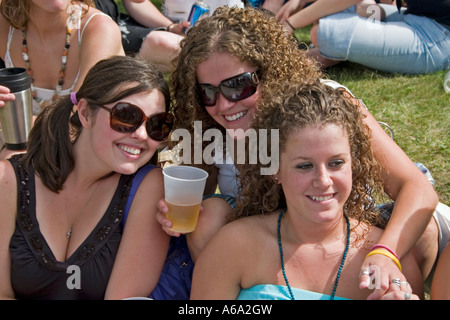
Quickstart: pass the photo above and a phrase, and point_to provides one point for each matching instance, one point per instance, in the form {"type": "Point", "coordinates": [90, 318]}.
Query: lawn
{"type": "Point", "coordinates": [416, 107]}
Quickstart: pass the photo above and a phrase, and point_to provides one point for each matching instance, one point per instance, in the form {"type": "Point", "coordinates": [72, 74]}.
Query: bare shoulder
{"type": "Point", "coordinates": [100, 39]}
{"type": "Point", "coordinates": [149, 192]}
{"type": "Point", "coordinates": [248, 230]}
{"type": "Point", "coordinates": [153, 180]}
{"type": "Point", "coordinates": [95, 19]}
{"type": "Point", "coordinates": [97, 27]}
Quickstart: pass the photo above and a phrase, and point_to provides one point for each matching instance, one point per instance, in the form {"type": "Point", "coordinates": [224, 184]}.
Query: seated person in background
{"type": "Point", "coordinates": [414, 39]}
{"type": "Point", "coordinates": [271, 5]}
{"type": "Point", "coordinates": [57, 42]}
{"type": "Point", "coordinates": [141, 31]}
{"type": "Point", "coordinates": [303, 232]}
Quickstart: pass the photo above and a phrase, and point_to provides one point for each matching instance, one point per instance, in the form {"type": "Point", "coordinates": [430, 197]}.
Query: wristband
{"type": "Point", "coordinates": [164, 28]}
{"type": "Point", "coordinates": [170, 25]}
{"type": "Point", "coordinates": [386, 253]}
{"type": "Point", "coordinates": [384, 247]}
{"type": "Point", "coordinates": [290, 25]}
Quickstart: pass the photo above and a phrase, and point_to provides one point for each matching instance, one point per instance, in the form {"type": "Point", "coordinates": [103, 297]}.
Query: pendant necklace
{"type": "Point", "coordinates": [282, 257]}
{"type": "Point", "coordinates": [69, 227]}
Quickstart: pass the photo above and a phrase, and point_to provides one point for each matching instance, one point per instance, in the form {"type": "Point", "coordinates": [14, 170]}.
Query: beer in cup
{"type": "Point", "coordinates": [184, 187]}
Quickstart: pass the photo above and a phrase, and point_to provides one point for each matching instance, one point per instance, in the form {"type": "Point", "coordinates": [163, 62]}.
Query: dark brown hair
{"type": "Point", "coordinates": [57, 128]}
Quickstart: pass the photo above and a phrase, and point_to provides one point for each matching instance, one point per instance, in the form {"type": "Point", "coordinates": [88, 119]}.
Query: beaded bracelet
{"type": "Point", "coordinates": [384, 247]}
{"type": "Point", "coordinates": [386, 253]}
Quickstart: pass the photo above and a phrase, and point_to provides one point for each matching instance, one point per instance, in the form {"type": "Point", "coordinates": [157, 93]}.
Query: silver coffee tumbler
{"type": "Point", "coordinates": [16, 116]}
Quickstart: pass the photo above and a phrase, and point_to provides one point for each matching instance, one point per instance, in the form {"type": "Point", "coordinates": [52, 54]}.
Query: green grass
{"type": "Point", "coordinates": [416, 107]}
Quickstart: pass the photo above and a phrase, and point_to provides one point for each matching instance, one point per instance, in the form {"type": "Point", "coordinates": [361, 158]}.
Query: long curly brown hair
{"type": "Point", "coordinates": [298, 107]}
{"type": "Point", "coordinates": [16, 11]}
{"type": "Point", "coordinates": [251, 35]}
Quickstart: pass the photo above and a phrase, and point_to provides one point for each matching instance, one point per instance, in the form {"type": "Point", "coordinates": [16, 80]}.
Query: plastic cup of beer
{"type": "Point", "coordinates": [184, 187]}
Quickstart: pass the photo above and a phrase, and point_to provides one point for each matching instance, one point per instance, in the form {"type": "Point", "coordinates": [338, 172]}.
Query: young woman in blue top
{"type": "Point", "coordinates": [304, 231]}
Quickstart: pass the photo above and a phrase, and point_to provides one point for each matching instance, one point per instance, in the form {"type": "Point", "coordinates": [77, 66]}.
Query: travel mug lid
{"type": "Point", "coordinates": [16, 79]}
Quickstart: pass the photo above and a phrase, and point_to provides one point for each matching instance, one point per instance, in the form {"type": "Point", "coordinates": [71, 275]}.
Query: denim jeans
{"type": "Point", "coordinates": [401, 43]}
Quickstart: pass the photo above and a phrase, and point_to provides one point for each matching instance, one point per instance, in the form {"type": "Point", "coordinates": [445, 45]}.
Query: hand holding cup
{"type": "Point", "coordinates": [183, 187]}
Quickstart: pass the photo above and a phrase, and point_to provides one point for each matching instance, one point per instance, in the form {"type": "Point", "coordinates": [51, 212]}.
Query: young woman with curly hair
{"type": "Point", "coordinates": [312, 216]}
{"type": "Point", "coordinates": [248, 55]}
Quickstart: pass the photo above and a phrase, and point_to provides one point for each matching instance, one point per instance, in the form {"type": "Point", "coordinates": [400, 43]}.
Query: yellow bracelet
{"type": "Point", "coordinates": [386, 253]}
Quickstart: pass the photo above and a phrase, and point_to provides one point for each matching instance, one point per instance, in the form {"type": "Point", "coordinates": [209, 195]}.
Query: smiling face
{"type": "Point", "coordinates": [126, 152]}
{"type": "Point", "coordinates": [316, 172]}
{"type": "Point", "coordinates": [228, 114]}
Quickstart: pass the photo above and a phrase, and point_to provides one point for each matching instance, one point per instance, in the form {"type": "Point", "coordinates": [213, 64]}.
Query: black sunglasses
{"type": "Point", "coordinates": [127, 118]}
{"type": "Point", "coordinates": [233, 89]}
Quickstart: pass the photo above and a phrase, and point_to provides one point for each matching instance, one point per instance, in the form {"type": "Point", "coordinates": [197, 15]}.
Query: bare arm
{"type": "Point", "coordinates": [218, 270]}
{"type": "Point", "coordinates": [144, 245]}
{"type": "Point", "coordinates": [8, 199]}
{"type": "Point", "coordinates": [415, 201]}
{"type": "Point", "coordinates": [306, 16]}
{"type": "Point", "coordinates": [101, 39]}
{"type": "Point", "coordinates": [440, 289]}
{"type": "Point", "coordinates": [146, 13]}
{"type": "Point", "coordinates": [415, 198]}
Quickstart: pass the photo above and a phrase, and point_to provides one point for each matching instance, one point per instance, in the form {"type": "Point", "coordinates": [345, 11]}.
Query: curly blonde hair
{"type": "Point", "coordinates": [16, 12]}
{"type": "Point", "coordinates": [298, 107]}
{"type": "Point", "coordinates": [251, 35]}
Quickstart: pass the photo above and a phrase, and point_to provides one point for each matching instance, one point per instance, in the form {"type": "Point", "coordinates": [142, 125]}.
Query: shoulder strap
{"type": "Point", "coordinates": [80, 32]}
{"type": "Point", "coordinates": [134, 186]}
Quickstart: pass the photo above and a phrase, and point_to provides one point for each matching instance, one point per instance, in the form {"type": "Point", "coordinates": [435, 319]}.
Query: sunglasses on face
{"type": "Point", "coordinates": [233, 89]}
{"type": "Point", "coordinates": [127, 118]}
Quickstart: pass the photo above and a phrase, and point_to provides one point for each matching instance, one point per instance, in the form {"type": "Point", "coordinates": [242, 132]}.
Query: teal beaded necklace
{"type": "Point", "coordinates": [282, 257]}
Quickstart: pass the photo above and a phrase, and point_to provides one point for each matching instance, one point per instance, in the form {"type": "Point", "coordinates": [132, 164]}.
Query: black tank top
{"type": "Point", "coordinates": [36, 274]}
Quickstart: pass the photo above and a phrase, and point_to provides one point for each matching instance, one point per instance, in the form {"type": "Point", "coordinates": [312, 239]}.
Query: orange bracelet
{"type": "Point", "coordinates": [386, 253]}
{"type": "Point", "coordinates": [384, 247]}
